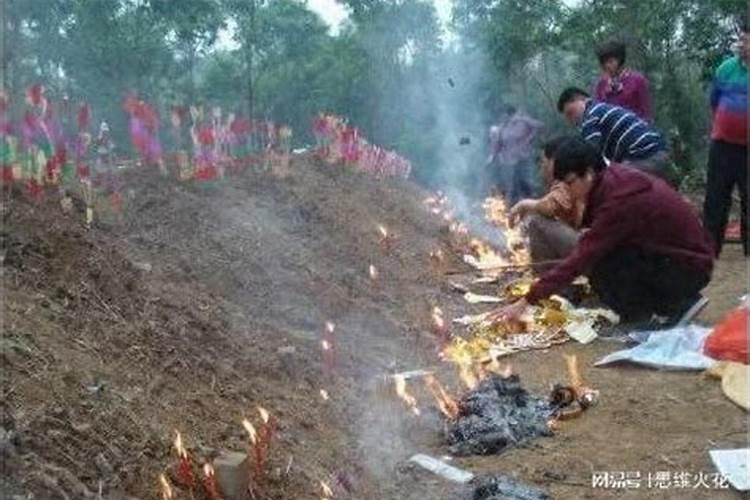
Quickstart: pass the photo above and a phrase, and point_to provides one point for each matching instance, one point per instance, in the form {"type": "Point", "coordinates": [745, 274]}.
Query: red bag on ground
{"type": "Point", "coordinates": [729, 339]}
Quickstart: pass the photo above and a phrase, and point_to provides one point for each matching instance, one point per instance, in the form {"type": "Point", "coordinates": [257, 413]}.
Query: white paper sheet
{"type": "Point", "coordinates": [676, 349]}
{"type": "Point", "coordinates": [734, 465]}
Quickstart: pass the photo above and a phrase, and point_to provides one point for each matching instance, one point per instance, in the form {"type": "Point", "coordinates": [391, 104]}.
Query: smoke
{"type": "Point", "coordinates": [462, 119]}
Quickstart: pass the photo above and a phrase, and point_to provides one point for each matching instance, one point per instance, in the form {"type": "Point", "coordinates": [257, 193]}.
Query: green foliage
{"type": "Point", "coordinates": [387, 70]}
{"type": "Point", "coordinates": [540, 46]}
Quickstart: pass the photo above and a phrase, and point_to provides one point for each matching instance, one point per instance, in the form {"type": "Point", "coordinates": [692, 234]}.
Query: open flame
{"type": "Point", "coordinates": [330, 326]}
{"type": "Point", "coordinates": [324, 394]}
{"type": "Point", "coordinates": [383, 230]}
{"type": "Point", "coordinates": [459, 354]}
{"type": "Point", "coordinates": [208, 471]}
{"type": "Point", "coordinates": [263, 414]}
{"type": "Point", "coordinates": [373, 271]}
{"type": "Point", "coordinates": [496, 212]}
{"type": "Point", "coordinates": [445, 402]}
{"type": "Point", "coordinates": [325, 344]}
{"type": "Point", "coordinates": [166, 488]}
{"type": "Point", "coordinates": [250, 430]}
{"type": "Point", "coordinates": [327, 491]}
{"type": "Point", "coordinates": [181, 452]}
{"type": "Point", "coordinates": [401, 391]}
{"type": "Point", "coordinates": [438, 320]}
{"type": "Point", "coordinates": [466, 374]}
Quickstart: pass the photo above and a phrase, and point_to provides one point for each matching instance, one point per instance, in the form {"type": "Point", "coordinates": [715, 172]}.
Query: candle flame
{"type": "Point", "coordinates": [250, 430]}
{"type": "Point", "coordinates": [263, 414]}
{"type": "Point", "coordinates": [166, 489]}
{"type": "Point", "coordinates": [181, 452]}
{"type": "Point", "coordinates": [326, 345]}
{"type": "Point", "coordinates": [208, 470]}
{"type": "Point", "coordinates": [401, 391]}
{"type": "Point", "coordinates": [330, 326]}
{"type": "Point", "coordinates": [383, 230]}
{"type": "Point", "coordinates": [324, 394]}
{"type": "Point", "coordinates": [373, 272]}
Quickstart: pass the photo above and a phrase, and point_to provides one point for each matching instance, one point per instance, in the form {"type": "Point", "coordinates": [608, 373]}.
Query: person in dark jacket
{"type": "Point", "coordinates": [645, 251]}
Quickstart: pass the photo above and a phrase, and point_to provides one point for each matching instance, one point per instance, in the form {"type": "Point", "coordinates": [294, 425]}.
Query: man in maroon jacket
{"type": "Point", "coordinates": [645, 251]}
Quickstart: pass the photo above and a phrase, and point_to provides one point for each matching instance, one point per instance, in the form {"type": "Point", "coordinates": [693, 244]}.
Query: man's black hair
{"type": "Point", "coordinates": [551, 147]}
{"type": "Point", "coordinates": [611, 49]}
{"type": "Point", "coordinates": [569, 95]}
{"type": "Point", "coordinates": [577, 156]}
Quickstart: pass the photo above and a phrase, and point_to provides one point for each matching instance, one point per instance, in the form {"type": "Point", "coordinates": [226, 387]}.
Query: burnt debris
{"type": "Point", "coordinates": [497, 415]}
{"type": "Point", "coordinates": [506, 488]}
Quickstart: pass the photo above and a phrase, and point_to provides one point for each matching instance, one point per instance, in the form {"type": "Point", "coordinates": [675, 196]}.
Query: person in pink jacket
{"type": "Point", "coordinates": [619, 85]}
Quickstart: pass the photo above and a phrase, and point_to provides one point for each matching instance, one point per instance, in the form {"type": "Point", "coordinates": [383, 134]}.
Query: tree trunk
{"type": "Point", "coordinates": [191, 49]}
{"type": "Point", "coordinates": [249, 48]}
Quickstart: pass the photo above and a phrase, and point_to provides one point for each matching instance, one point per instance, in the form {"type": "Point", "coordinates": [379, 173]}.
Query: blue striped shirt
{"type": "Point", "coordinates": [618, 133]}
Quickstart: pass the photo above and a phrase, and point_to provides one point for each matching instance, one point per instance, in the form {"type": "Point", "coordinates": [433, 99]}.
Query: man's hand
{"type": "Point", "coordinates": [510, 312]}
{"type": "Point", "coordinates": [519, 210]}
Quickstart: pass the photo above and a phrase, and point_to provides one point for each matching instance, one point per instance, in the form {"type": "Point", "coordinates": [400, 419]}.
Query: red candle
{"type": "Point", "coordinates": [186, 466]}
{"type": "Point", "coordinates": [209, 482]}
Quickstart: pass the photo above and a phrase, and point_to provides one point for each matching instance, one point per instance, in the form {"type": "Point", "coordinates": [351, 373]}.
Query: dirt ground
{"type": "Point", "coordinates": [202, 302]}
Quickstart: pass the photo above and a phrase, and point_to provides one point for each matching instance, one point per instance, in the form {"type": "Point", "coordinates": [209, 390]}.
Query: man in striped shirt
{"type": "Point", "coordinates": [619, 134]}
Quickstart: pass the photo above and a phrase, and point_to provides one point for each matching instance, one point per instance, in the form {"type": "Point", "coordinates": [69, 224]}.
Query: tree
{"type": "Point", "coordinates": [193, 26]}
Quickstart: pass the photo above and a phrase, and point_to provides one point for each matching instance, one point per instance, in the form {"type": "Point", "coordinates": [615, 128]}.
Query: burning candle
{"type": "Point", "coordinates": [257, 449]}
{"type": "Point", "coordinates": [186, 467]}
{"type": "Point", "coordinates": [327, 346]}
{"type": "Point", "coordinates": [209, 482]}
{"type": "Point", "coordinates": [373, 271]}
{"type": "Point", "coordinates": [324, 394]}
{"type": "Point", "coordinates": [269, 425]}
{"type": "Point", "coordinates": [166, 488]}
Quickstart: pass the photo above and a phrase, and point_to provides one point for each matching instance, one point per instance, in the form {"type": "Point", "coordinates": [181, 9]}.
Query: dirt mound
{"type": "Point", "coordinates": [203, 302]}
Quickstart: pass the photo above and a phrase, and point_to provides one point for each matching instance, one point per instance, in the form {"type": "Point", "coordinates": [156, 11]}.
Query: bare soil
{"type": "Point", "coordinates": [202, 302]}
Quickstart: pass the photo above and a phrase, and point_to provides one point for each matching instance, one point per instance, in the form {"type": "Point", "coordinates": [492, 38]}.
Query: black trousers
{"type": "Point", "coordinates": [727, 168]}
{"type": "Point", "coordinates": [636, 284]}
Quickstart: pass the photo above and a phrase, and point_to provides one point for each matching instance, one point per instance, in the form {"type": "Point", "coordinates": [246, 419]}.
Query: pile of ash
{"type": "Point", "coordinates": [497, 415]}
{"type": "Point", "coordinates": [506, 488]}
